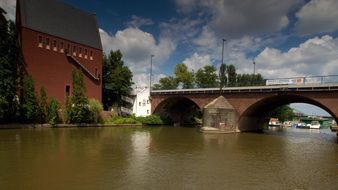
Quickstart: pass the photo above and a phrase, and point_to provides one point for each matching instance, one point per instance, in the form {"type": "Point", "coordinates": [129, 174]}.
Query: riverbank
{"type": "Point", "coordinates": [28, 126]}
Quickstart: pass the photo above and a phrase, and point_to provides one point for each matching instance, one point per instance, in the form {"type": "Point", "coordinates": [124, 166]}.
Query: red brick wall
{"type": "Point", "coordinates": [53, 70]}
{"type": "Point", "coordinates": [260, 101]}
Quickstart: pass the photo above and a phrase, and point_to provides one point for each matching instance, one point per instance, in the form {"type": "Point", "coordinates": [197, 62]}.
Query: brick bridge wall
{"type": "Point", "coordinates": [242, 101]}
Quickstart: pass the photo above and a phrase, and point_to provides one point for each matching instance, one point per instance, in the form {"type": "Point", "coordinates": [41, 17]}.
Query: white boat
{"type": "Point", "coordinates": [314, 125]}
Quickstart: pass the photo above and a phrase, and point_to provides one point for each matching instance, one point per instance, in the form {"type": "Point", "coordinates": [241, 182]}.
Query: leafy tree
{"type": "Point", "coordinates": [166, 83]}
{"type": "Point", "coordinates": [52, 112]}
{"type": "Point", "coordinates": [157, 87]}
{"type": "Point", "coordinates": [30, 110]}
{"type": "Point", "coordinates": [222, 76]}
{"type": "Point", "coordinates": [283, 113]}
{"type": "Point", "coordinates": [206, 77]}
{"type": "Point", "coordinates": [77, 107]}
{"type": "Point", "coordinates": [231, 71]}
{"type": "Point", "coordinates": [43, 106]}
{"type": "Point", "coordinates": [117, 78]}
{"type": "Point", "coordinates": [258, 80]}
{"type": "Point", "coordinates": [10, 62]}
{"type": "Point", "coordinates": [250, 80]}
{"type": "Point", "coordinates": [184, 76]}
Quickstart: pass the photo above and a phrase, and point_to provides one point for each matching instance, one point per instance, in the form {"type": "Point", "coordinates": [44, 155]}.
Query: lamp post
{"type": "Point", "coordinates": [223, 40]}
{"type": "Point", "coordinates": [151, 71]}
{"type": "Point", "coordinates": [254, 64]}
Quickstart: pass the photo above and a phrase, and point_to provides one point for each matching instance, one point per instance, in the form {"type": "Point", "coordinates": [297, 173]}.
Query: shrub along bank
{"type": "Point", "coordinates": [147, 120]}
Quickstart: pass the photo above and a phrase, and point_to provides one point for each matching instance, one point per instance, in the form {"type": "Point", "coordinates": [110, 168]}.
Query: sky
{"type": "Point", "coordinates": [287, 38]}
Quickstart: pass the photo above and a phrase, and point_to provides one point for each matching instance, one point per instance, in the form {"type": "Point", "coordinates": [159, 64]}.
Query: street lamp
{"type": "Point", "coordinates": [151, 71]}
{"type": "Point", "coordinates": [223, 49]}
{"type": "Point", "coordinates": [254, 63]}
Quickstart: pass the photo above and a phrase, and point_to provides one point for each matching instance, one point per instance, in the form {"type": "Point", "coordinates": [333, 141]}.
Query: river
{"type": "Point", "coordinates": [166, 158]}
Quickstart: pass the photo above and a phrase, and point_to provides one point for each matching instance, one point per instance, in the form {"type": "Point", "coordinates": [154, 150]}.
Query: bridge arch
{"type": "Point", "coordinates": [179, 109]}
{"type": "Point", "coordinates": [253, 118]}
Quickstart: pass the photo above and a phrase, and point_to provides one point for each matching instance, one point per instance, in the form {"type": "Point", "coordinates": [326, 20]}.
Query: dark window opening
{"type": "Point", "coordinates": [47, 41]}
{"type": "Point", "coordinates": [67, 90]}
{"type": "Point", "coordinates": [61, 45]}
{"type": "Point", "coordinates": [40, 39]}
{"type": "Point", "coordinates": [68, 48]}
{"type": "Point", "coordinates": [54, 43]}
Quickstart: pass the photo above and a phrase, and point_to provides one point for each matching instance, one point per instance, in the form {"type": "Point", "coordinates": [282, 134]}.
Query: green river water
{"type": "Point", "coordinates": [166, 158]}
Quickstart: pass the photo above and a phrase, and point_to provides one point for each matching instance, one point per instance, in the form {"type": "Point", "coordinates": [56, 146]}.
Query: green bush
{"type": "Point", "coordinates": [151, 120]}
{"type": "Point", "coordinates": [77, 113]}
{"type": "Point", "coordinates": [148, 120]}
{"type": "Point", "coordinates": [124, 120]}
{"type": "Point", "coordinates": [52, 112]}
{"type": "Point", "coordinates": [95, 108]}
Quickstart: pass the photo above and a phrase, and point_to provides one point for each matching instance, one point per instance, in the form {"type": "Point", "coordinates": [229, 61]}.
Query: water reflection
{"type": "Point", "coordinates": [166, 158]}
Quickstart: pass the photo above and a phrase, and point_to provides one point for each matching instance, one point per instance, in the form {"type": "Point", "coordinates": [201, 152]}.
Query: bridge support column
{"type": "Point", "coordinates": [219, 116]}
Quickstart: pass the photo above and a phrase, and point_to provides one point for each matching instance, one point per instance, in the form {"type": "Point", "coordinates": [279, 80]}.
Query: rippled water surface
{"type": "Point", "coordinates": [167, 158]}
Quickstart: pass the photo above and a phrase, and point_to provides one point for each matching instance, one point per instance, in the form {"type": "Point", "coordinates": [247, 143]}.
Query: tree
{"type": "Point", "coordinates": [167, 83]}
{"type": "Point", "coordinates": [77, 106]}
{"type": "Point", "coordinates": [52, 112]}
{"type": "Point", "coordinates": [258, 80]}
{"type": "Point", "coordinates": [116, 78]}
{"type": "Point", "coordinates": [283, 113]}
{"type": "Point", "coordinates": [222, 76]}
{"type": "Point", "coordinates": [184, 76]}
{"type": "Point", "coordinates": [250, 80]}
{"type": "Point", "coordinates": [10, 63]}
{"type": "Point", "coordinates": [43, 106]}
{"type": "Point", "coordinates": [206, 77]}
{"type": "Point", "coordinates": [231, 71]}
{"type": "Point", "coordinates": [30, 110]}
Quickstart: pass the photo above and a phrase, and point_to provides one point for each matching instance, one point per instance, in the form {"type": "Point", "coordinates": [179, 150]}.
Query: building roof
{"type": "Point", "coordinates": [59, 19]}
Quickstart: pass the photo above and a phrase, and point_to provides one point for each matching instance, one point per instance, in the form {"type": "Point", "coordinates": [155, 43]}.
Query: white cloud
{"type": "Point", "coordinates": [9, 6]}
{"type": "Point", "coordinates": [137, 46]}
{"type": "Point", "coordinates": [139, 21]}
{"type": "Point", "coordinates": [318, 16]}
{"type": "Point", "coordinates": [316, 56]}
{"type": "Point", "coordinates": [233, 18]}
{"type": "Point", "coordinates": [180, 30]}
{"type": "Point", "coordinates": [197, 61]}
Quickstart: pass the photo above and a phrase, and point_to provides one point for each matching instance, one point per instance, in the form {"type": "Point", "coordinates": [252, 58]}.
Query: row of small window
{"type": "Point", "coordinates": [144, 103]}
{"type": "Point", "coordinates": [74, 50]}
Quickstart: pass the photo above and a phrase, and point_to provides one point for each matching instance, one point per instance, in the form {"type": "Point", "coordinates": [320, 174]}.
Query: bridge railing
{"type": "Point", "coordinates": [303, 80]}
{"type": "Point", "coordinates": [307, 80]}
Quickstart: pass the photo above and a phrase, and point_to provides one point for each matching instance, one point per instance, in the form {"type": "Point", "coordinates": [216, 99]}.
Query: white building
{"type": "Point", "coordinates": [142, 104]}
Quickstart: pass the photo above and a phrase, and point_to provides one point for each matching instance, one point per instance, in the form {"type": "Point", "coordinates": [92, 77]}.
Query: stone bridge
{"type": "Point", "coordinates": [251, 104]}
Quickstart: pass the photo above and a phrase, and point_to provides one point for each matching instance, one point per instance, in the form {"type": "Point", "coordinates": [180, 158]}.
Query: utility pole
{"type": "Point", "coordinates": [223, 50]}
{"type": "Point", "coordinates": [254, 63]}
{"type": "Point", "coordinates": [151, 71]}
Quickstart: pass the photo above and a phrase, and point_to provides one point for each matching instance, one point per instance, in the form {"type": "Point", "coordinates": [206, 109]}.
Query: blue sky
{"type": "Point", "coordinates": [286, 38]}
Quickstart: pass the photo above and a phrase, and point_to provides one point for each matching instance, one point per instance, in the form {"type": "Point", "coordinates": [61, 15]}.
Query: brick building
{"type": "Point", "coordinates": [56, 39]}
